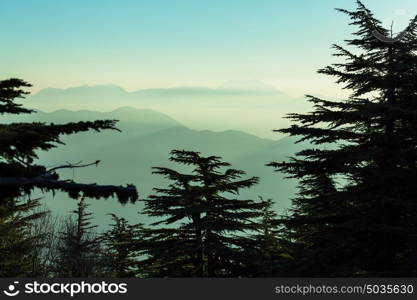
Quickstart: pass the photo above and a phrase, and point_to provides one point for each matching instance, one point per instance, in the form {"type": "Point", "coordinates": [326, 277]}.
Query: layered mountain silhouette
{"type": "Point", "coordinates": [249, 106]}
{"type": "Point", "coordinates": [145, 141]}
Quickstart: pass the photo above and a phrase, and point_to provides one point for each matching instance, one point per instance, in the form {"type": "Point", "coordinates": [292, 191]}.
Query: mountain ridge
{"type": "Point", "coordinates": [230, 86]}
{"type": "Point", "coordinates": [128, 157]}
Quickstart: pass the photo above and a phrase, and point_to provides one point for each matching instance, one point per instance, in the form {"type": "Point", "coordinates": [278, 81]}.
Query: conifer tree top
{"type": "Point", "coordinates": [354, 213]}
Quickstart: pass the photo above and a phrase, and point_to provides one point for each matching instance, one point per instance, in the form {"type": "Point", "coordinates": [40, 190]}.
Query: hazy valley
{"type": "Point", "coordinates": [145, 141]}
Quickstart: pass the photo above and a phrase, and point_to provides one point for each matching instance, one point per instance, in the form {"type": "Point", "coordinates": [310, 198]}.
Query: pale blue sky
{"type": "Point", "coordinates": [158, 43]}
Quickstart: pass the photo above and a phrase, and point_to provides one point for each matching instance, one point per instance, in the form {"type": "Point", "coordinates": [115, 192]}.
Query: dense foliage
{"type": "Point", "coordinates": [203, 228]}
{"type": "Point", "coordinates": [356, 210]}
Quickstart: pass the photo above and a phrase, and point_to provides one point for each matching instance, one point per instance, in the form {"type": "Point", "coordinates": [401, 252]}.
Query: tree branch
{"type": "Point", "coordinates": [124, 194]}
{"type": "Point", "coordinates": [73, 166]}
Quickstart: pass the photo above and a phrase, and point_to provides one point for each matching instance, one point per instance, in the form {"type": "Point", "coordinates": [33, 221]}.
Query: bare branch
{"type": "Point", "coordinates": [73, 166]}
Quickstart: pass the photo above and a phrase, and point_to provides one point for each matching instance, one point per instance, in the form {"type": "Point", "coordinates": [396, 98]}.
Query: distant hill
{"type": "Point", "coordinates": [249, 106]}
{"type": "Point", "coordinates": [146, 140]}
{"type": "Point", "coordinates": [104, 95]}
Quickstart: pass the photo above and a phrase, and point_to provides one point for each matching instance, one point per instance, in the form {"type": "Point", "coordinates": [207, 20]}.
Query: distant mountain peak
{"type": "Point", "coordinates": [240, 86]}
{"type": "Point", "coordinates": [83, 89]}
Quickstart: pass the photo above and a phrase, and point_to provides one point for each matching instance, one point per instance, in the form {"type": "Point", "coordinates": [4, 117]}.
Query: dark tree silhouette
{"type": "Point", "coordinates": [19, 174]}
{"type": "Point", "coordinates": [17, 242]}
{"type": "Point", "coordinates": [268, 252]}
{"type": "Point", "coordinates": [20, 141]}
{"type": "Point", "coordinates": [121, 244]}
{"type": "Point", "coordinates": [356, 211]}
{"type": "Point", "coordinates": [202, 230]}
{"type": "Point", "coordinates": [80, 246]}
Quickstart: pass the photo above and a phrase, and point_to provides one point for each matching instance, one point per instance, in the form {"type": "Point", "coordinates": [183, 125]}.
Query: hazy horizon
{"type": "Point", "coordinates": [250, 106]}
{"type": "Point", "coordinates": [155, 44]}
{"type": "Point", "coordinates": [179, 57]}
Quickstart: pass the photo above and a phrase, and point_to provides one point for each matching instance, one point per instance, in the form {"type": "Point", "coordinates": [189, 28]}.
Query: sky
{"type": "Point", "coordinates": [138, 44]}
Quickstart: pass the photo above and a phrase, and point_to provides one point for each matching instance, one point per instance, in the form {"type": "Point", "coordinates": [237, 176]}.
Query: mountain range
{"type": "Point", "coordinates": [249, 106]}
{"type": "Point", "coordinates": [146, 139]}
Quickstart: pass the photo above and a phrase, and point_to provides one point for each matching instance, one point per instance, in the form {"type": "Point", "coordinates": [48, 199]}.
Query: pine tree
{"type": "Point", "coordinates": [355, 214]}
{"type": "Point", "coordinates": [203, 229]}
{"type": "Point", "coordinates": [16, 240]}
{"type": "Point", "coordinates": [305, 240]}
{"type": "Point", "coordinates": [268, 251]}
{"type": "Point", "coordinates": [122, 242]}
{"type": "Point", "coordinates": [20, 174]}
{"type": "Point", "coordinates": [80, 246]}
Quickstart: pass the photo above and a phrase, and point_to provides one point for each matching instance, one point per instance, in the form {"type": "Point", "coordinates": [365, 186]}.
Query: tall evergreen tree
{"type": "Point", "coordinates": [356, 211]}
{"type": "Point", "coordinates": [122, 242]}
{"type": "Point", "coordinates": [16, 240]}
{"type": "Point", "coordinates": [203, 229]}
{"type": "Point", "coordinates": [80, 246]}
{"type": "Point", "coordinates": [20, 174]}
{"type": "Point", "coordinates": [269, 249]}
